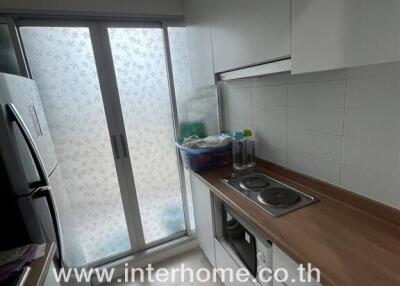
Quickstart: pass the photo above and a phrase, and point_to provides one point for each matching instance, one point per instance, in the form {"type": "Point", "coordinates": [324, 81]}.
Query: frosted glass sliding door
{"type": "Point", "coordinates": [140, 66]}
{"type": "Point", "coordinates": [62, 63]}
{"type": "Point", "coordinates": [108, 95]}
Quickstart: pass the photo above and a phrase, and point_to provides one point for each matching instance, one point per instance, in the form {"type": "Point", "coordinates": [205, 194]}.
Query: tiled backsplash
{"type": "Point", "coordinates": [339, 126]}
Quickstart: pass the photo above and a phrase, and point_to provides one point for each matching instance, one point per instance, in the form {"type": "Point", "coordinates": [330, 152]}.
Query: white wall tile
{"type": "Point", "coordinates": [270, 122]}
{"type": "Point", "coordinates": [273, 135]}
{"type": "Point", "coordinates": [372, 139]}
{"type": "Point", "coordinates": [321, 144]}
{"type": "Point", "coordinates": [373, 93]}
{"type": "Point", "coordinates": [317, 106]}
{"type": "Point", "coordinates": [371, 124]}
{"type": "Point", "coordinates": [314, 153]}
{"type": "Point", "coordinates": [340, 126]}
{"type": "Point", "coordinates": [269, 105]}
{"type": "Point", "coordinates": [314, 165]}
{"type": "Point", "coordinates": [319, 76]}
{"type": "Point", "coordinates": [279, 79]}
{"type": "Point", "coordinates": [328, 94]}
{"type": "Point", "coordinates": [371, 154]}
{"type": "Point", "coordinates": [381, 187]}
{"type": "Point", "coordinates": [326, 120]}
{"type": "Point", "coordinates": [273, 153]}
{"type": "Point", "coordinates": [378, 70]}
{"type": "Point", "coordinates": [237, 108]}
{"type": "Point", "coordinates": [266, 96]}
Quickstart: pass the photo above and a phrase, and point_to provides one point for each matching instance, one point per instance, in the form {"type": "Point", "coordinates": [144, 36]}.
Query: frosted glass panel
{"type": "Point", "coordinates": [180, 60]}
{"type": "Point", "coordinates": [198, 107]}
{"type": "Point", "coordinates": [139, 61]}
{"type": "Point", "coordinates": [62, 63]}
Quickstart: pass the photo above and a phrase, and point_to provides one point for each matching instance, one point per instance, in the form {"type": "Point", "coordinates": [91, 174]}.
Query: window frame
{"type": "Point", "coordinates": [105, 70]}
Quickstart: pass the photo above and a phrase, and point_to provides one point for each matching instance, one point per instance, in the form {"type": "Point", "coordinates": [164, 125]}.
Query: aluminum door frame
{"type": "Point", "coordinates": [108, 84]}
{"type": "Point", "coordinates": [114, 117]}
{"type": "Point", "coordinates": [107, 54]}
{"type": "Point", "coordinates": [175, 120]}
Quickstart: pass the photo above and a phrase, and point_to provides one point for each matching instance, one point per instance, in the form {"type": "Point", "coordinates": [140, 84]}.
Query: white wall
{"type": "Point", "coordinates": [339, 126]}
{"type": "Point", "coordinates": [120, 7]}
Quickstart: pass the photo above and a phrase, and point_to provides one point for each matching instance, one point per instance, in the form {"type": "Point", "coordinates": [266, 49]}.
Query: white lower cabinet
{"type": "Point", "coordinates": [283, 263]}
{"type": "Point", "coordinates": [225, 261]}
{"type": "Point", "coordinates": [203, 216]}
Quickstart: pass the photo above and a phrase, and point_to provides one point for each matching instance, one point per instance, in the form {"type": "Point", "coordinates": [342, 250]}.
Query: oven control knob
{"type": "Point", "coordinates": [260, 257]}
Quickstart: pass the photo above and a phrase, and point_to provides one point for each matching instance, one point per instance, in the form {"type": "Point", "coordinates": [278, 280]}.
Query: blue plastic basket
{"type": "Point", "coordinates": [200, 159]}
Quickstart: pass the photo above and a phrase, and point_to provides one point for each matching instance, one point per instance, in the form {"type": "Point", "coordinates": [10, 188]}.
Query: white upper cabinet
{"type": "Point", "coordinates": [247, 32]}
{"type": "Point", "coordinates": [197, 19]}
{"type": "Point", "coordinates": [335, 34]}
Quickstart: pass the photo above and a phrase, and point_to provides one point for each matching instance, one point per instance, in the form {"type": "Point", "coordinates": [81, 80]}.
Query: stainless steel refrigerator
{"type": "Point", "coordinates": [29, 158]}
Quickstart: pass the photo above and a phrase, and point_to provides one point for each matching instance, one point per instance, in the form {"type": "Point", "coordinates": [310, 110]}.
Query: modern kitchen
{"type": "Point", "coordinates": [200, 142]}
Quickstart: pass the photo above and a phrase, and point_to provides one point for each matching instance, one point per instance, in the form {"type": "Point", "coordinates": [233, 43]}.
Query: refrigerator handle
{"type": "Point", "coordinates": [15, 116]}
{"type": "Point", "coordinates": [45, 192]}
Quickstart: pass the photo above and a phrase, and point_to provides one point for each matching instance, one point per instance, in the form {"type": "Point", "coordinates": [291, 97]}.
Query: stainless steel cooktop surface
{"type": "Point", "coordinates": [274, 197]}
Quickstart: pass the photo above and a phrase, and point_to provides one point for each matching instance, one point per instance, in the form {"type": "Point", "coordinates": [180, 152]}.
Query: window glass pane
{"type": "Point", "coordinates": [180, 61]}
{"type": "Point", "coordinates": [139, 61]}
{"type": "Point", "coordinates": [198, 107]}
{"type": "Point", "coordinates": [62, 63]}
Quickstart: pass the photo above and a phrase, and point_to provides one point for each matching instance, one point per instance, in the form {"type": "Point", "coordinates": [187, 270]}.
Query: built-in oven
{"type": "Point", "coordinates": [254, 252]}
{"type": "Point", "coordinates": [242, 241]}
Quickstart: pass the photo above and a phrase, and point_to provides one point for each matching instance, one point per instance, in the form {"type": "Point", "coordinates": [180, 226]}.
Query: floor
{"type": "Point", "coordinates": [194, 259]}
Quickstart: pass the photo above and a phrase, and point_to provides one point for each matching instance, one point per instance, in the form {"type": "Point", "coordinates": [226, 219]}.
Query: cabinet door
{"type": "Point", "coordinates": [225, 261]}
{"type": "Point", "coordinates": [330, 34]}
{"type": "Point", "coordinates": [249, 32]}
{"type": "Point", "coordinates": [203, 217]}
{"type": "Point", "coordinates": [197, 21]}
{"type": "Point", "coordinates": [280, 260]}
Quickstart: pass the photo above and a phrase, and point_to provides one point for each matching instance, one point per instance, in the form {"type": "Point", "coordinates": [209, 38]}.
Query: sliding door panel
{"type": "Point", "coordinates": [62, 63]}
{"type": "Point", "coordinates": [139, 60]}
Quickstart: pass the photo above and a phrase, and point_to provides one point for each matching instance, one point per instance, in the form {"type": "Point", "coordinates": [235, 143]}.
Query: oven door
{"type": "Point", "coordinates": [240, 239]}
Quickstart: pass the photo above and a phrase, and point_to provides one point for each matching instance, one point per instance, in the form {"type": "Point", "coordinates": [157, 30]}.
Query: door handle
{"type": "Point", "coordinates": [115, 147]}
{"type": "Point", "coordinates": [124, 145]}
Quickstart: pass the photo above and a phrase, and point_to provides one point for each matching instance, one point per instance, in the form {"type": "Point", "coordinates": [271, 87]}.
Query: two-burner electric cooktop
{"type": "Point", "coordinates": [274, 197]}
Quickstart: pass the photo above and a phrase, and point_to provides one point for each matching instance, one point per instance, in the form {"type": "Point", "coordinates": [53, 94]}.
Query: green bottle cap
{"type": "Point", "coordinates": [247, 133]}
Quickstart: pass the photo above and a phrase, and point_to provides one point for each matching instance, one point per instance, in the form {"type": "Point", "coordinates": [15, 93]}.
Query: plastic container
{"type": "Point", "coordinates": [200, 159]}
{"type": "Point", "coordinates": [250, 148]}
{"type": "Point", "coordinates": [239, 151]}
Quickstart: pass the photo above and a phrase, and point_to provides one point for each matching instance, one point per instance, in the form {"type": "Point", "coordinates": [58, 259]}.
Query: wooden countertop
{"type": "Point", "coordinates": [345, 241]}
{"type": "Point", "coordinates": [41, 266]}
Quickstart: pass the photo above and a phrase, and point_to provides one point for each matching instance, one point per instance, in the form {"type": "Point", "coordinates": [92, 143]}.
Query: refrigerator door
{"type": "Point", "coordinates": [42, 221]}
{"type": "Point", "coordinates": [39, 217]}
{"type": "Point", "coordinates": [23, 93]}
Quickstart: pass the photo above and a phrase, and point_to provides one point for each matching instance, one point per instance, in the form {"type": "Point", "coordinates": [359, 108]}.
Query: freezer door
{"type": "Point", "coordinates": [23, 93]}
{"type": "Point", "coordinates": [39, 220]}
